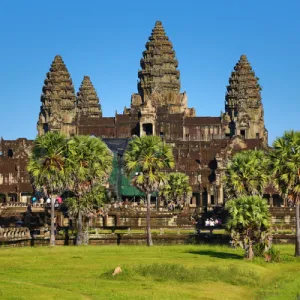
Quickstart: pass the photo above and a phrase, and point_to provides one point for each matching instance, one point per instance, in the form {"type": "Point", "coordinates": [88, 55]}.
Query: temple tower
{"type": "Point", "coordinates": [87, 100]}
{"type": "Point", "coordinates": [243, 102]}
{"type": "Point", "coordinates": [159, 72]}
{"type": "Point", "coordinates": [58, 109]}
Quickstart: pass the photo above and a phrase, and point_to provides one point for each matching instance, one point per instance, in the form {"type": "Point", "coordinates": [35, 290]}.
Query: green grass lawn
{"type": "Point", "coordinates": [160, 272]}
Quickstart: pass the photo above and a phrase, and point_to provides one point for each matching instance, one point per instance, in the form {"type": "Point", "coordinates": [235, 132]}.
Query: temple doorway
{"type": "Point", "coordinates": [12, 197]}
{"type": "Point", "coordinates": [3, 198]}
{"type": "Point", "coordinates": [148, 129]}
{"type": "Point", "coordinates": [25, 197]}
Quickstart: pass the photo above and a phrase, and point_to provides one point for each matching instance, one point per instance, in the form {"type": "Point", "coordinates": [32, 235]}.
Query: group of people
{"type": "Point", "coordinates": [212, 223]}
{"type": "Point", "coordinates": [46, 201]}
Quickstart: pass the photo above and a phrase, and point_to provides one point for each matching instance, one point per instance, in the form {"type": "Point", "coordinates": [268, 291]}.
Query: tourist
{"type": "Point", "coordinates": [211, 225]}
{"type": "Point", "coordinates": [34, 201]}
{"type": "Point", "coordinates": [216, 222]}
{"type": "Point", "coordinates": [56, 205]}
{"type": "Point", "coordinates": [207, 223]}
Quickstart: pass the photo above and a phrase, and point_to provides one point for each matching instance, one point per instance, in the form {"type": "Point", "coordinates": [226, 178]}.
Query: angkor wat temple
{"type": "Point", "coordinates": [202, 145]}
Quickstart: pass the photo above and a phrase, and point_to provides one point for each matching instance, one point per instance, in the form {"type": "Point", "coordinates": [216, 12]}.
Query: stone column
{"type": "Point", "coordinates": [221, 194]}
{"type": "Point", "coordinates": [208, 197]}
{"type": "Point", "coordinates": [117, 220]}
{"type": "Point", "coordinates": [271, 200]}
{"type": "Point", "coordinates": [201, 200]}
{"type": "Point", "coordinates": [105, 219]}
{"type": "Point", "coordinates": [141, 129]}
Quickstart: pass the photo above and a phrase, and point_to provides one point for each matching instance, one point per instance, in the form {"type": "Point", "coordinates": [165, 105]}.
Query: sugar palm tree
{"type": "Point", "coordinates": [249, 220]}
{"type": "Point", "coordinates": [88, 166]}
{"type": "Point", "coordinates": [246, 174]}
{"type": "Point", "coordinates": [148, 157]}
{"type": "Point", "coordinates": [177, 187]}
{"type": "Point", "coordinates": [84, 208]}
{"type": "Point", "coordinates": [47, 168]}
{"type": "Point", "coordinates": [285, 170]}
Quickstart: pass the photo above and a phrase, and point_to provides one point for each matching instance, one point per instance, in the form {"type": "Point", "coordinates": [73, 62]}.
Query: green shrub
{"type": "Point", "coordinates": [259, 250]}
{"type": "Point", "coordinates": [274, 253]}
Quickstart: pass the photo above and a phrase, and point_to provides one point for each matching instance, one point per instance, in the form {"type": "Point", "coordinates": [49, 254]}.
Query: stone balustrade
{"type": "Point", "coordinates": [14, 233]}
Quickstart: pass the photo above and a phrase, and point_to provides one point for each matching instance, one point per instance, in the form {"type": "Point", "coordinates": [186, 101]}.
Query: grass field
{"type": "Point", "coordinates": [160, 272]}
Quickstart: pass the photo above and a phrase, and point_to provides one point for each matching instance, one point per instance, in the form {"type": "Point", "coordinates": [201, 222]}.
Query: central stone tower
{"type": "Point", "coordinates": [159, 66]}
{"type": "Point", "coordinates": [159, 84]}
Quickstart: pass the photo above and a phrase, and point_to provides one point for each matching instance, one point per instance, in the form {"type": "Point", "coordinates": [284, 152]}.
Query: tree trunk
{"type": "Point", "coordinates": [297, 248]}
{"type": "Point", "coordinates": [52, 231]}
{"type": "Point", "coordinates": [149, 237]}
{"type": "Point", "coordinates": [250, 252]}
{"type": "Point", "coordinates": [79, 229]}
{"type": "Point", "coordinates": [85, 233]}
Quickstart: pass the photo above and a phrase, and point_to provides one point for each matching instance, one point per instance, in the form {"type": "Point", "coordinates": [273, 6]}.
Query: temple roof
{"type": "Point", "coordinates": [58, 87]}
{"type": "Point", "coordinates": [159, 66]}
{"type": "Point", "coordinates": [87, 99]}
{"type": "Point", "coordinates": [202, 121]}
{"type": "Point", "coordinates": [243, 88]}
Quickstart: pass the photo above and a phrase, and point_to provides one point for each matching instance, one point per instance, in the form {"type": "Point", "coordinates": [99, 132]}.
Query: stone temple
{"type": "Point", "coordinates": [201, 145]}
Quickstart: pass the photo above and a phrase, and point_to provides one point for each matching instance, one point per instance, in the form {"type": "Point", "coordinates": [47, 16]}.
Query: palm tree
{"type": "Point", "coordinates": [88, 166]}
{"type": "Point", "coordinates": [46, 167]}
{"type": "Point", "coordinates": [248, 222]}
{"type": "Point", "coordinates": [148, 156]}
{"type": "Point", "coordinates": [246, 174]}
{"type": "Point", "coordinates": [285, 170]}
{"type": "Point", "coordinates": [85, 208]}
{"type": "Point", "coordinates": [177, 187]}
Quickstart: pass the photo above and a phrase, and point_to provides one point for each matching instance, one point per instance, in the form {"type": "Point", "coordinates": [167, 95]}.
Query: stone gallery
{"type": "Point", "coordinates": [201, 145]}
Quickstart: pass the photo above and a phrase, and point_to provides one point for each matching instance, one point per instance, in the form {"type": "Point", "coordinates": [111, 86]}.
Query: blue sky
{"type": "Point", "coordinates": [105, 40]}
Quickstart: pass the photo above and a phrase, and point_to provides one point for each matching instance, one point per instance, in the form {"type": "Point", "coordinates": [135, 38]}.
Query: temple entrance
{"type": "Point", "coordinates": [25, 197]}
{"type": "Point", "coordinates": [12, 197]}
{"type": "Point", "coordinates": [243, 133]}
{"type": "Point", "coordinates": [3, 198]}
{"type": "Point", "coordinates": [148, 129]}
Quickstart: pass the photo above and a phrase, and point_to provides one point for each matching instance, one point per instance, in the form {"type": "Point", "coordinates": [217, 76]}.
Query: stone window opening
{"type": "Point", "coordinates": [243, 133]}
{"type": "Point", "coordinates": [10, 153]}
{"type": "Point", "coordinates": [257, 135]}
{"type": "Point", "coordinates": [148, 128]}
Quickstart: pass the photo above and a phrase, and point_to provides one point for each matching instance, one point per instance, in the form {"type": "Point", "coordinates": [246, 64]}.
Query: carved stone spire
{"type": "Point", "coordinates": [58, 101]}
{"type": "Point", "coordinates": [159, 66]}
{"type": "Point", "coordinates": [243, 102]}
{"type": "Point", "coordinates": [87, 99]}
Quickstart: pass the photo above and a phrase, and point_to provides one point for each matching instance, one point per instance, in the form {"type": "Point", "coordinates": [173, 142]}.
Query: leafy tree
{"type": "Point", "coordinates": [88, 166]}
{"type": "Point", "coordinates": [249, 222]}
{"type": "Point", "coordinates": [148, 156]}
{"type": "Point", "coordinates": [177, 187]}
{"type": "Point", "coordinates": [246, 174]}
{"type": "Point", "coordinates": [87, 206]}
{"type": "Point", "coordinates": [285, 169]}
{"type": "Point", "coordinates": [47, 168]}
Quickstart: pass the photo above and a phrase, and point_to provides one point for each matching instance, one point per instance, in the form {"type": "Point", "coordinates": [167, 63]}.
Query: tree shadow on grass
{"type": "Point", "coordinates": [223, 255]}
